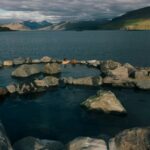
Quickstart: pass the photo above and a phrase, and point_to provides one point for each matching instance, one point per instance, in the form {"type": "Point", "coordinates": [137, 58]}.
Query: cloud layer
{"type": "Point", "coordinates": [58, 10]}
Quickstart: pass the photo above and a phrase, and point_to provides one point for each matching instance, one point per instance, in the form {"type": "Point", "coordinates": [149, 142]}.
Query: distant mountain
{"type": "Point", "coordinates": [77, 26]}
{"type": "Point", "coordinates": [26, 25]}
{"type": "Point", "coordinates": [55, 27]}
{"type": "Point", "coordinates": [36, 25]}
{"type": "Point", "coordinates": [16, 26]}
{"type": "Point", "coordinates": [133, 20]}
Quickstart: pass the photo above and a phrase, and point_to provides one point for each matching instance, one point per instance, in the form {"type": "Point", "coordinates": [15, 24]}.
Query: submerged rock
{"type": "Point", "coordinates": [26, 88]}
{"type": "Point", "coordinates": [8, 63]}
{"type": "Point", "coordinates": [1, 64]}
{"type": "Point", "coordinates": [85, 81]}
{"type": "Point", "coordinates": [47, 82]}
{"type": "Point", "coordinates": [131, 139]}
{"type": "Point", "coordinates": [19, 61]}
{"type": "Point", "coordinates": [86, 143]}
{"type": "Point", "coordinates": [26, 71]}
{"type": "Point", "coordinates": [104, 101]}
{"type": "Point", "coordinates": [32, 87]}
{"type": "Point", "coordinates": [53, 68]}
{"type": "Point", "coordinates": [4, 141]}
{"type": "Point", "coordinates": [32, 143]}
{"type": "Point", "coordinates": [3, 92]}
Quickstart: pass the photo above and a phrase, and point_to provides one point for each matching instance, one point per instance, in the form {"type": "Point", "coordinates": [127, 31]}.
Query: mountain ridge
{"type": "Point", "coordinates": [138, 19]}
{"type": "Point", "coordinates": [16, 26]}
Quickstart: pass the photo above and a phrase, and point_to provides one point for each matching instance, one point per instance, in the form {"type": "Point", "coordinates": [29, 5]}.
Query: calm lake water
{"type": "Point", "coordinates": [56, 114]}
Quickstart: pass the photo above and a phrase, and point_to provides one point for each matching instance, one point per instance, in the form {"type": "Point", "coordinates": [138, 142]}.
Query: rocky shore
{"type": "Point", "coordinates": [111, 73]}
{"type": "Point", "coordinates": [130, 139]}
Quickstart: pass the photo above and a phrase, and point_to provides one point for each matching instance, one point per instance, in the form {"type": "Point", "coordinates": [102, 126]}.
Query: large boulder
{"type": "Point", "coordinates": [19, 61]}
{"type": "Point", "coordinates": [4, 141]}
{"type": "Point", "coordinates": [120, 73]}
{"type": "Point", "coordinates": [85, 81]}
{"type": "Point", "coordinates": [26, 71]}
{"type": "Point", "coordinates": [53, 68]}
{"type": "Point", "coordinates": [31, 143]}
{"type": "Point", "coordinates": [109, 65]}
{"type": "Point", "coordinates": [86, 143]}
{"type": "Point", "coordinates": [114, 69]}
{"type": "Point", "coordinates": [48, 81]}
{"type": "Point", "coordinates": [104, 101]}
{"type": "Point", "coordinates": [131, 139]}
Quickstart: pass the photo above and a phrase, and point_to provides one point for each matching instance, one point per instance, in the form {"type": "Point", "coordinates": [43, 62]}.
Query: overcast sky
{"type": "Point", "coordinates": [58, 10]}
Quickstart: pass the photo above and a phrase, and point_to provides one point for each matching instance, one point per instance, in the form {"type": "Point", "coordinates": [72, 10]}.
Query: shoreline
{"type": "Point", "coordinates": [112, 74]}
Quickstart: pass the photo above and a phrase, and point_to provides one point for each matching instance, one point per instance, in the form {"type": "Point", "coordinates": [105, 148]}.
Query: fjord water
{"type": "Point", "coordinates": [132, 47]}
{"type": "Point", "coordinates": [56, 114]}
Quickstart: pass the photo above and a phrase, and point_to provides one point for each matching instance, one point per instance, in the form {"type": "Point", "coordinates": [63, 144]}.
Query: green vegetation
{"type": "Point", "coordinates": [134, 20]}
{"type": "Point", "coordinates": [4, 29]}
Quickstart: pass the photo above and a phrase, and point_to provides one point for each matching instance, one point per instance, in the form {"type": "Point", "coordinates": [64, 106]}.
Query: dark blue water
{"type": "Point", "coordinates": [56, 114]}
{"type": "Point", "coordinates": [132, 47]}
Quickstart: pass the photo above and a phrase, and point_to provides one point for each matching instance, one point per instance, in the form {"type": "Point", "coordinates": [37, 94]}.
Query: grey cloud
{"type": "Point", "coordinates": [73, 9]}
